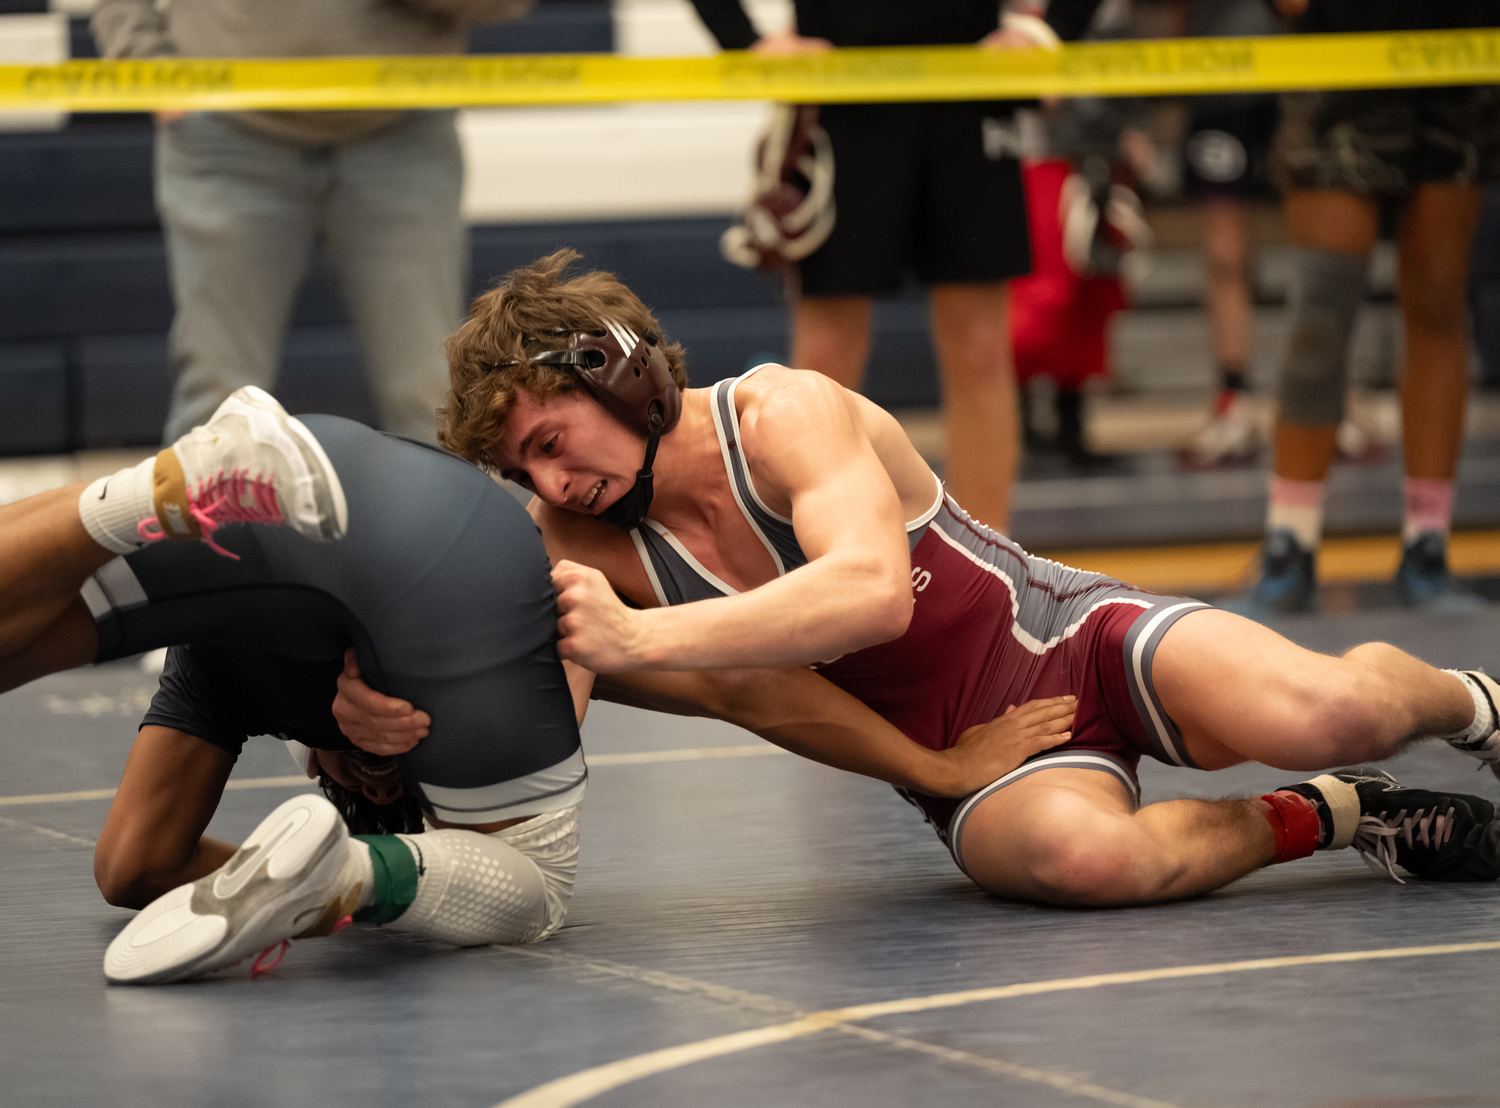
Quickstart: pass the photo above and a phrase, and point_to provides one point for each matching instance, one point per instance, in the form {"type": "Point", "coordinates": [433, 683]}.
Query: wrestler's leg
{"type": "Point", "coordinates": [1074, 838]}
{"type": "Point", "coordinates": [45, 557]}
{"type": "Point", "coordinates": [1238, 691]}
{"type": "Point", "coordinates": [153, 837]}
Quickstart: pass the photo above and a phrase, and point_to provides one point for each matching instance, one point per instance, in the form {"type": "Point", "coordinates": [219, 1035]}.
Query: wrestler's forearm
{"type": "Point", "coordinates": [833, 606]}
{"type": "Point", "coordinates": [798, 711]}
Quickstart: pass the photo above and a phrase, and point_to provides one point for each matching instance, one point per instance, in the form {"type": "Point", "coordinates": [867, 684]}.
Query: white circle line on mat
{"type": "Point", "coordinates": [586, 1084]}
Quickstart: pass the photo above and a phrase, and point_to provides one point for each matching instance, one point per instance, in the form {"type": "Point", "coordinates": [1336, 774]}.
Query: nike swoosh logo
{"type": "Point", "coordinates": [104, 490]}
{"type": "Point", "coordinates": [231, 881]}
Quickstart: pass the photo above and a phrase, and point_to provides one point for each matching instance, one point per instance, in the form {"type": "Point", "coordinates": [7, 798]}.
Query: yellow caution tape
{"type": "Point", "coordinates": [1136, 68]}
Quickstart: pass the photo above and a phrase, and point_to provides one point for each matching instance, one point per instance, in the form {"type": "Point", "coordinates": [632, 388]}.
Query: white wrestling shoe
{"type": "Point", "coordinates": [250, 463]}
{"type": "Point", "coordinates": [289, 880]}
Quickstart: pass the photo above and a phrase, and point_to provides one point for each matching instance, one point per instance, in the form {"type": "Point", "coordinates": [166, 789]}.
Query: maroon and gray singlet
{"type": "Point", "coordinates": [992, 626]}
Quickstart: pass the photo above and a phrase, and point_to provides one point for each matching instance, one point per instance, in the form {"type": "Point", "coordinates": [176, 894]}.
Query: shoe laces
{"type": "Point", "coordinates": [1376, 836]}
{"type": "Point", "coordinates": [232, 497]}
{"type": "Point", "coordinates": [269, 958]}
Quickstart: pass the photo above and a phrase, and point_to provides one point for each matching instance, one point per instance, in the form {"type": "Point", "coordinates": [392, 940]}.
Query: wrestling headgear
{"type": "Point", "coordinates": [791, 212]}
{"type": "Point", "coordinates": [629, 375]}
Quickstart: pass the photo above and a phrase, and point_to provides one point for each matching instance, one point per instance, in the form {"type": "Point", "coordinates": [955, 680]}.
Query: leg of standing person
{"type": "Point", "coordinates": [970, 238]}
{"type": "Point", "coordinates": [1230, 435]}
{"type": "Point", "coordinates": [398, 241]}
{"type": "Point", "coordinates": [1436, 229]}
{"type": "Point", "coordinates": [875, 154]}
{"type": "Point", "coordinates": [831, 334]}
{"type": "Point", "coordinates": [1236, 692]}
{"type": "Point", "coordinates": [1226, 248]}
{"type": "Point", "coordinates": [971, 334]}
{"type": "Point", "coordinates": [1334, 232]}
{"type": "Point", "coordinates": [238, 211]}
{"type": "Point", "coordinates": [1224, 159]}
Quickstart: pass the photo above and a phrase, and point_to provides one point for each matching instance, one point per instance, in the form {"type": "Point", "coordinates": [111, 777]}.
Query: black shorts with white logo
{"type": "Point", "coordinates": [932, 189]}
{"type": "Point", "coordinates": [441, 585]}
{"type": "Point", "coordinates": [1227, 153]}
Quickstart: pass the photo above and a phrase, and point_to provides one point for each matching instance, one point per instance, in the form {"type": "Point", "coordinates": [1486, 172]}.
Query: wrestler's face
{"type": "Point", "coordinates": [378, 779]}
{"type": "Point", "coordinates": [569, 451]}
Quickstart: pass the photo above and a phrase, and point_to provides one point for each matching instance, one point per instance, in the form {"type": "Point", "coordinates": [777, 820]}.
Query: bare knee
{"type": "Point", "coordinates": [1081, 859]}
{"type": "Point", "coordinates": [125, 879]}
{"type": "Point", "coordinates": [1096, 873]}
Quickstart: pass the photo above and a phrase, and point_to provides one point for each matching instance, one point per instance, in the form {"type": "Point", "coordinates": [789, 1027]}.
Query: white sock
{"type": "Point", "coordinates": [1483, 724]}
{"type": "Point", "coordinates": [474, 890]}
{"type": "Point", "coordinates": [113, 507]}
{"type": "Point", "coordinates": [359, 859]}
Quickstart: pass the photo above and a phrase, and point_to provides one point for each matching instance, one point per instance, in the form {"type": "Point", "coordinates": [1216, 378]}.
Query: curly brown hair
{"type": "Point", "coordinates": [531, 310]}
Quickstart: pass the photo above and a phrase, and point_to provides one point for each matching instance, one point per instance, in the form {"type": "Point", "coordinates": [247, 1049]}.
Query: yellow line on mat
{"type": "Point", "coordinates": [1221, 566]}
{"type": "Point", "coordinates": [586, 1084]}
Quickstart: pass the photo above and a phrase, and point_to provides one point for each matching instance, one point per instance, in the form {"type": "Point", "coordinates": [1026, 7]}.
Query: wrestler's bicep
{"type": "Point", "coordinates": [812, 460]}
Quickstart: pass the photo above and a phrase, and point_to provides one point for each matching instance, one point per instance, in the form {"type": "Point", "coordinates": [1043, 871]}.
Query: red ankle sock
{"type": "Point", "coordinates": [1294, 820]}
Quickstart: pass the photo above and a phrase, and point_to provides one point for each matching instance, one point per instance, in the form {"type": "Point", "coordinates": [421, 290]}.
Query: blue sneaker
{"type": "Point", "coordinates": [1288, 580]}
{"type": "Point", "coordinates": [1423, 580]}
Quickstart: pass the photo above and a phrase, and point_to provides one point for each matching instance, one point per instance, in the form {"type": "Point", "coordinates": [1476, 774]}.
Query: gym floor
{"type": "Point", "coordinates": [752, 929]}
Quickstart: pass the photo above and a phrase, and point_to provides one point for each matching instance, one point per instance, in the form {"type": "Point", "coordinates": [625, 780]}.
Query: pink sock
{"type": "Point", "coordinates": [1429, 507]}
{"type": "Point", "coordinates": [1296, 506]}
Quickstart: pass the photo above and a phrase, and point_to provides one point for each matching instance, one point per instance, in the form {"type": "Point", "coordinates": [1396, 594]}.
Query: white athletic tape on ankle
{"type": "Point", "coordinates": [1343, 804]}
{"type": "Point", "coordinates": [1483, 723]}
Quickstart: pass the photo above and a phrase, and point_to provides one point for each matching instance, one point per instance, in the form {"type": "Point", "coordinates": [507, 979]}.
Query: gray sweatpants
{"type": "Point", "coordinates": [242, 212]}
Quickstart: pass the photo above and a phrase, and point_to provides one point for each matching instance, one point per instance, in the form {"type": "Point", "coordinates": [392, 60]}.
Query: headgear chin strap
{"type": "Point", "coordinates": [629, 376]}
{"type": "Point", "coordinates": [629, 512]}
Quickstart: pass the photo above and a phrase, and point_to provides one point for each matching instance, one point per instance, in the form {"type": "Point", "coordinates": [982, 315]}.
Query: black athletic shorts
{"type": "Point", "coordinates": [1227, 154]}
{"type": "Point", "coordinates": [1386, 142]}
{"type": "Point", "coordinates": [934, 189]}
{"type": "Point", "coordinates": [442, 586]}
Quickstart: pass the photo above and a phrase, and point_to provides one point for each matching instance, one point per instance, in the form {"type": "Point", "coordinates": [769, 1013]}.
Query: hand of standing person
{"type": "Point", "coordinates": [783, 43]}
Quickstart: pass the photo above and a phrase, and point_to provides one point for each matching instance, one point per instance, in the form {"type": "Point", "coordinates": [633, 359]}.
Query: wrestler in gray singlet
{"type": "Point", "coordinates": [442, 586]}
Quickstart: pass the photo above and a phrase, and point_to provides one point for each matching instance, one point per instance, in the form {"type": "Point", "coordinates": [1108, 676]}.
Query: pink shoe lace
{"type": "Point", "coordinates": [223, 499]}
{"type": "Point", "coordinates": [262, 966]}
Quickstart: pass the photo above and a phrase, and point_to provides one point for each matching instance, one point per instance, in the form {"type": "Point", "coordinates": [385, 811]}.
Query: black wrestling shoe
{"type": "Point", "coordinates": [1434, 836]}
